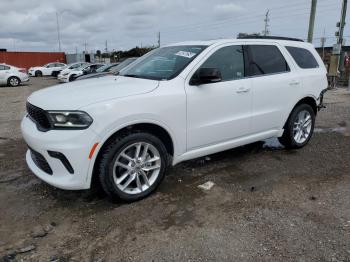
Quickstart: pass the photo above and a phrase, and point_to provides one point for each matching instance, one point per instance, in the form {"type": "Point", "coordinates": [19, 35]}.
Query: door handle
{"type": "Point", "coordinates": [242, 89]}
{"type": "Point", "coordinates": [294, 83]}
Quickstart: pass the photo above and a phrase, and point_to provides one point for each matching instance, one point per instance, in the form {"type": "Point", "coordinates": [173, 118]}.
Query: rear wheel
{"type": "Point", "coordinates": [38, 73]}
{"type": "Point", "coordinates": [13, 81]}
{"type": "Point", "coordinates": [133, 166]}
{"type": "Point", "coordinates": [299, 127]}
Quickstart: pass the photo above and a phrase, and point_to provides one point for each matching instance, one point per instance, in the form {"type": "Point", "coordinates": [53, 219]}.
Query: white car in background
{"type": "Point", "coordinates": [73, 74]}
{"type": "Point", "coordinates": [46, 70]}
{"type": "Point", "coordinates": [72, 67]}
{"type": "Point", "coordinates": [12, 76]}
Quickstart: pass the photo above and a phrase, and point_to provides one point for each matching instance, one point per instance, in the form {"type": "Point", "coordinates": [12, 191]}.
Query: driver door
{"type": "Point", "coordinates": [222, 111]}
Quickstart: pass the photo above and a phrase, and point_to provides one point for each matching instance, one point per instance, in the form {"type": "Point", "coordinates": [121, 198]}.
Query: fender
{"type": "Point", "coordinates": [114, 130]}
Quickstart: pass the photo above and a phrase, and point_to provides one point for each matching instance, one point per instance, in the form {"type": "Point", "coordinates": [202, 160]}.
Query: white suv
{"type": "Point", "coordinates": [176, 103]}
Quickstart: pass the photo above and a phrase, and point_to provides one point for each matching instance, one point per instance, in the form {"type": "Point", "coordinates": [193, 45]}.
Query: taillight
{"type": "Point", "coordinates": [23, 70]}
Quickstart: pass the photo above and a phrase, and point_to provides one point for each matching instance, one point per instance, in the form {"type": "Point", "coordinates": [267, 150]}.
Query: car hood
{"type": "Point", "coordinates": [65, 70]}
{"type": "Point", "coordinates": [74, 95]}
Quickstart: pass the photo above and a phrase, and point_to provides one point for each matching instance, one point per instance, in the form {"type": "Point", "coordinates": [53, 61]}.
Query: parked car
{"type": "Point", "coordinates": [176, 103]}
{"type": "Point", "coordinates": [46, 70]}
{"type": "Point", "coordinates": [83, 70]}
{"type": "Point", "coordinates": [109, 69]}
{"type": "Point", "coordinates": [71, 67]}
{"type": "Point", "coordinates": [12, 76]}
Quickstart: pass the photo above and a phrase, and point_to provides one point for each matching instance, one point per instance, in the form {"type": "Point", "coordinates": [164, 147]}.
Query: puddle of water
{"type": "Point", "coordinates": [272, 143]}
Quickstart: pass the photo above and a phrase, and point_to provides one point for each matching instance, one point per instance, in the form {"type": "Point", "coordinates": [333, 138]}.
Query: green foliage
{"type": "Point", "coordinates": [134, 52]}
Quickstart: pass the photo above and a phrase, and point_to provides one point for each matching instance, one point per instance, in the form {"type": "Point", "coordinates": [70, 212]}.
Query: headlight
{"type": "Point", "coordinates": [70, 119]}
{"type": "Point", "coordinates": [65, 74]}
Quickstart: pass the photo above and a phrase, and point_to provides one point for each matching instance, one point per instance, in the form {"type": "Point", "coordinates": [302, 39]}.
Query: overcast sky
{"type": "Point", "coordinates": [30, 25]}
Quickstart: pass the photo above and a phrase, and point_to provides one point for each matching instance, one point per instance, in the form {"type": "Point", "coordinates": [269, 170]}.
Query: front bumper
{"type": "Point", "coordinates": [25, 78]}
{"type": "Point", "coordinates": [63, 79]}
{"type": "Point", "coordinates": [75, 145]}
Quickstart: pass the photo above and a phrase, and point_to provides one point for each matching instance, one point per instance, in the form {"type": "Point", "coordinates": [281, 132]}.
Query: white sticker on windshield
{"type": "Point", "coordinates": [185, 54]}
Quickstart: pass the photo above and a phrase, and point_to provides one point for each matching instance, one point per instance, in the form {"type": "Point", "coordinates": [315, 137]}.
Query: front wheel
{"type": "Point", "coordinates": [72, 78]}
{"type": "Point", "coordinates": [133, 166]}
{"type": "Point", "coordinates": [38, 73]}
{"type": "Point", "coordinates": [299, 127]}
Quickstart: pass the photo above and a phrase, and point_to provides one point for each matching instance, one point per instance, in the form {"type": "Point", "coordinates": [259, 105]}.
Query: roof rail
{"type": "Point", "coordinates": [270, 37]}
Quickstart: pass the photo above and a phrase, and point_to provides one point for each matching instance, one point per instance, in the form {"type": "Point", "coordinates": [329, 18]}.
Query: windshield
{"type": "Point", "coordinates": [104, 68]}
{"type": "Point", "coordinates": [164, 63]}
{"type": "Point", "coordinates": [75, 65]}
{"type": "Point", "coordinates": [116, 69]}
{"type": "Point", "coordinates": [81, 68]}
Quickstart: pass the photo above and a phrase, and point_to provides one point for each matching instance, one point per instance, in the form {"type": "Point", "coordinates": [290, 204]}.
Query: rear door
{"type": "Point", "coordinates": [275, 84]}
{"type": "Point", "coordinates": [219, 112]}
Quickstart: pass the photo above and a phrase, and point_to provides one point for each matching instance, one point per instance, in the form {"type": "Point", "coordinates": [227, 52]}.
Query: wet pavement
{"type": "Point", "coordinates": [266, 203]}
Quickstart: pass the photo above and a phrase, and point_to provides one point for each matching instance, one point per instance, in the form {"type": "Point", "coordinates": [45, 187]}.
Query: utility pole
{"type": "Point", "coordinates": [310, 35]}
{"type": "Point", "coordinates": [340, 36]}
{"type": "Point", "coordinates": [337, 48]}
{"type": "Point", "coordinates": [266, 31]}
{"type": "Point", "coordinates": [106, 48]}
{"type": "Point", "coordinates": [58, 33]}
{"type": "Point", "coordinates": [323, 41]}
{"type": "Point", "coordinates": [85, 45]}
{"type": "Point", "coordinates": [342, 22]}
{"type": "Point", "coordinates": [159, 39]}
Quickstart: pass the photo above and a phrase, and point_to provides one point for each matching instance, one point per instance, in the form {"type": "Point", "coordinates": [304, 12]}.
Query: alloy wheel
{"type": "Point", "coordinates": [14, 81]}
{"type": "Point", "coordinates": [136, 168]}
{"type": "Point", "coordinates": [302, 126]}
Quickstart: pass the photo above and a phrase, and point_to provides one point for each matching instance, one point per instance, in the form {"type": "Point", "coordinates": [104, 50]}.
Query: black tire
{"type": "Point", "coordinates": [287, 138]}
{"type": "Point", "coordinates": [13, 81]}
{"type": "Point", "coordinates": [110, 154]}
{"type": "Point", "coordinates": [72, 78]}
{"type": "Point", "coordinates": [38, 73]}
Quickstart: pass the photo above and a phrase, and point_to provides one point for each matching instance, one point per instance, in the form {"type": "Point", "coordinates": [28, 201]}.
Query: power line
{"type": "Point", "coordinates": [239, 18]}
{"type": "Point", "coordinates": [247, 21]}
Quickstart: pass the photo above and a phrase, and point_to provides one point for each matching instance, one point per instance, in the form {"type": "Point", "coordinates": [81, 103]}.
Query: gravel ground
{"type": "Point", "coordinates": [267, 204]}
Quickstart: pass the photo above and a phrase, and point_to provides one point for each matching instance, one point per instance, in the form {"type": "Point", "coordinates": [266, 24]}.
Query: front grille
{"type": "Point", "coordinates": [40, 161]}
{"type": "Point", "coordinates": [39, 116]}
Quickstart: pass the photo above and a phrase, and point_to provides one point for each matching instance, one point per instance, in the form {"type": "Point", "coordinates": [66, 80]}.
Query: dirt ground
{"type": "Point", "coordinates": [267, 204]}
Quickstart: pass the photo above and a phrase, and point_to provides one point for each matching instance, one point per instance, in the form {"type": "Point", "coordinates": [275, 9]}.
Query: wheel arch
{"type": "Point", "coordinates": [309, 100]}
{"type": "Point", "coordinates": [153, 128]}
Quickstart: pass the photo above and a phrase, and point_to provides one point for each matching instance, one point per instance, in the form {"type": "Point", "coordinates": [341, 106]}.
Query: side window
{"type": "Point", "coordinates": [303, 57]}
{"type": "Point", "coordinates": [229, 60]}
{"type": "Point", "coordinates": [3, 67]}
{"type": "Point", "coordinates": [266, 59]}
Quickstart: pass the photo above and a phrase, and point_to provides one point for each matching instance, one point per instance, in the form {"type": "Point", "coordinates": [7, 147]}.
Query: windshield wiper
{"type": "Point", "coordinates": [131, 75]}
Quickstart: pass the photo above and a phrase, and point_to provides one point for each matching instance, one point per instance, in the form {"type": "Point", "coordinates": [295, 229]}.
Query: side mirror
{"type": "Point", "coordinates": [206, 76]}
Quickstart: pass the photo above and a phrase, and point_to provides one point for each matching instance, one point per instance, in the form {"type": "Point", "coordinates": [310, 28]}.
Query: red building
{"type": "Point", "coordinates": [30, 59]}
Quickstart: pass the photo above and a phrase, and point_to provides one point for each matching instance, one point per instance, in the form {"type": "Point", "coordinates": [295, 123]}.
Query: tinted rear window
{"type": "Point", "coordinates": [266, 59]}
{"type": "Point", "coordinates": [303, 57]}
